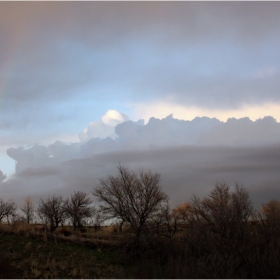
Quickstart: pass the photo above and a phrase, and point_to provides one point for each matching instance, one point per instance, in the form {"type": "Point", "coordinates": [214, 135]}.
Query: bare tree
{"type": "Point", "coordinates": [28, 209]}
{"type": "Point", "coordinates": [132, 197]}
{"type": "Point", "coordinates": [182, 213]}
{"type": "Point", "coordinates": [164, 222]}
{"type": "Point", "coordinates": [224, 212]}
{"type": "Point", "coordinates": [271, 211]}
{"type": "Point", "coordinates": [270, 219]}
{"type": "Point", "coordinates": [7, 209]}
{"type": "Point", "coordinates": [78, 208]}
{"type": "Point", "coordinates": [177, 219]}
{"type": "Point", "coordinates": [97, 220]}
{"type": "Point", "coordinates": [218, 224]}
{"type": "Point", "coordinates": [51, 211]}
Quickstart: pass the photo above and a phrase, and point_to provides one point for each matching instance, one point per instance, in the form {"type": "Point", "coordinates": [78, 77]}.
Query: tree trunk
{"type": "Point", "coordinates": [137, 237]}
{"type": "Point", "coordinates": [120, 226]}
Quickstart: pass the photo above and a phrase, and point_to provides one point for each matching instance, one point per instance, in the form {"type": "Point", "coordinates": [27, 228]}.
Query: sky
{"type": "Point", "coordinates": [187, 89]}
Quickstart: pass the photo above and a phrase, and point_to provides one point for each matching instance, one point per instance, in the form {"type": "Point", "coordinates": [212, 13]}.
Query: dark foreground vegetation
{"type": "Point", "coordinates": [135, 234]}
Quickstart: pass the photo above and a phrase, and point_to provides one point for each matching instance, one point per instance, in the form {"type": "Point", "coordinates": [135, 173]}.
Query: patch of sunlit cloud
{"type": "Point", "coordinates": [113, 117]}
{"type": "Point", "coordinates": [104, 128]}
{"type": "Point", "coordinates": [162, 109]}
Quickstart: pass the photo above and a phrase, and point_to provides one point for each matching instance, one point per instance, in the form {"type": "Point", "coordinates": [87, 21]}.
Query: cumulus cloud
{"type": "Point", "coordinates": [96, 129]}
{"type": "Point", "coordinates": [167, 131]}
{"type": "Point", "coordinates": [113, 117]}
{"type": "Point", "coordinates": [105, 128]}
{"type": "Point", "coordinates": [199, 131]}
{"type": "Point", "coordinates": [129, 129]}
{"type": "Point", "coordinates": [242, 132]}
{"type": "Point", "coordinates": [60, 149]}
{"type": "Point", "coordinates": [2, 176]}
{"type": "Point", "coordinates": [37, 155]}
{"type": "Point", "coordinates": [160, 109]}
{"type": "Point", "coordinates": [191, 156]}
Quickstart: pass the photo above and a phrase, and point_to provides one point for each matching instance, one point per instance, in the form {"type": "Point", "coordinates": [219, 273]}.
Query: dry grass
{"type": "Point", "coordinates": [27, 253]}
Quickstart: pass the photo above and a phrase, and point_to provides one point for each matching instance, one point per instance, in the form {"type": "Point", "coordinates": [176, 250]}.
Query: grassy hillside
{"type": "Point", "coordinates": [37, 255]}
{"type": "Point", "coordinates": [26, 251]}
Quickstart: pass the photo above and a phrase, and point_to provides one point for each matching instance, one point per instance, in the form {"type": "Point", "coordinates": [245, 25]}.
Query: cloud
{"type": "Point", "coordinates": [103, 129]}
{"type": "Point", "coordinates": [185, 170]}
{"type": "Point", "coordinates": [96, 129]}
{"type": "Point", "coordinates": [37, 155]}
{"type": "Point", "coordinates": [199, 52]}
{"type": "Point", "coordinates": [37, 172]}
{"type": "Point", "coordinates": [62, 150]}
{"type": "Point", "coordinates": [167, 131]}
{"type": "Point", "coordinates": [266, 72]}
{"type": "Point", "coordinates": [113, 117]}
{"type": "Point", "coordinates": [243, 131]}
{"type": "Point", "coordinates": [2, 176]}
{"type": "Point", "coordinates": [129, 129]}
{"type": "Point", "coordinates": [192, 157]}
{"type": "Point", "coordinates": [199, 131]}
{"type": "Point", "coordinates": [160, 109]}
{"type": "Point", "coordinates": [62, 62]}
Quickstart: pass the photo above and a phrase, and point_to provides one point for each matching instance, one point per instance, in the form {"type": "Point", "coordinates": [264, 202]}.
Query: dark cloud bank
{"type": "Point", "coordinates": [198, 51]}
{"type": "Point", "coordinates": [190, 155]}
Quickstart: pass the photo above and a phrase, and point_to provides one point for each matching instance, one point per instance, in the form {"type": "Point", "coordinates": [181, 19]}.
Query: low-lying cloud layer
{"type": "Point", "coordinates": [191, 156]}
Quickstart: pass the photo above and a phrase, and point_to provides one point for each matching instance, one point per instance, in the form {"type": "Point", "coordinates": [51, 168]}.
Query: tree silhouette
{"type": "Point", "coordinates": [28, 209]}
{"type": "Point", "coordinates": [51, 211]}
{"type": "Point", "coordinates": [224, 212]}
{"type": "Point", "coordinates": [270, 218]}
{"type": "Point", "coordinates": [7, 209]}
{"type": "Point", "coordinates": [131, 197]}
{"type": "Point", "coordinates": [78, 208]}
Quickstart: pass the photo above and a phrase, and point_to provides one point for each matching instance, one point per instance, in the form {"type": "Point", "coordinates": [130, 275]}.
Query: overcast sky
{"type": "Point", "coordinates": [188, 89]}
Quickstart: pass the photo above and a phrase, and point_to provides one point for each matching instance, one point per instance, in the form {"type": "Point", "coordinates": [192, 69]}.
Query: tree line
{"type": "Point", "coordinates": [221, 230]}
{"type": "Point", "coordinates": [137, 199]}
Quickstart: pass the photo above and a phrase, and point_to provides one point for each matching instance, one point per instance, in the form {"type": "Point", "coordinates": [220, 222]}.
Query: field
{"type": "Point", "coordinates": [28, 252]}
{"type": "Point", "coordinates": [217, 237]}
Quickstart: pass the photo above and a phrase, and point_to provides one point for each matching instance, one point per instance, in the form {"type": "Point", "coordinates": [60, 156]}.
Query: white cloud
{"type": "Point", "coordinates": [113, 117]}
{"type": "Point", "coordinates": [105, 128]}
{"type": "Point", "coordinates": [95, 130]}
